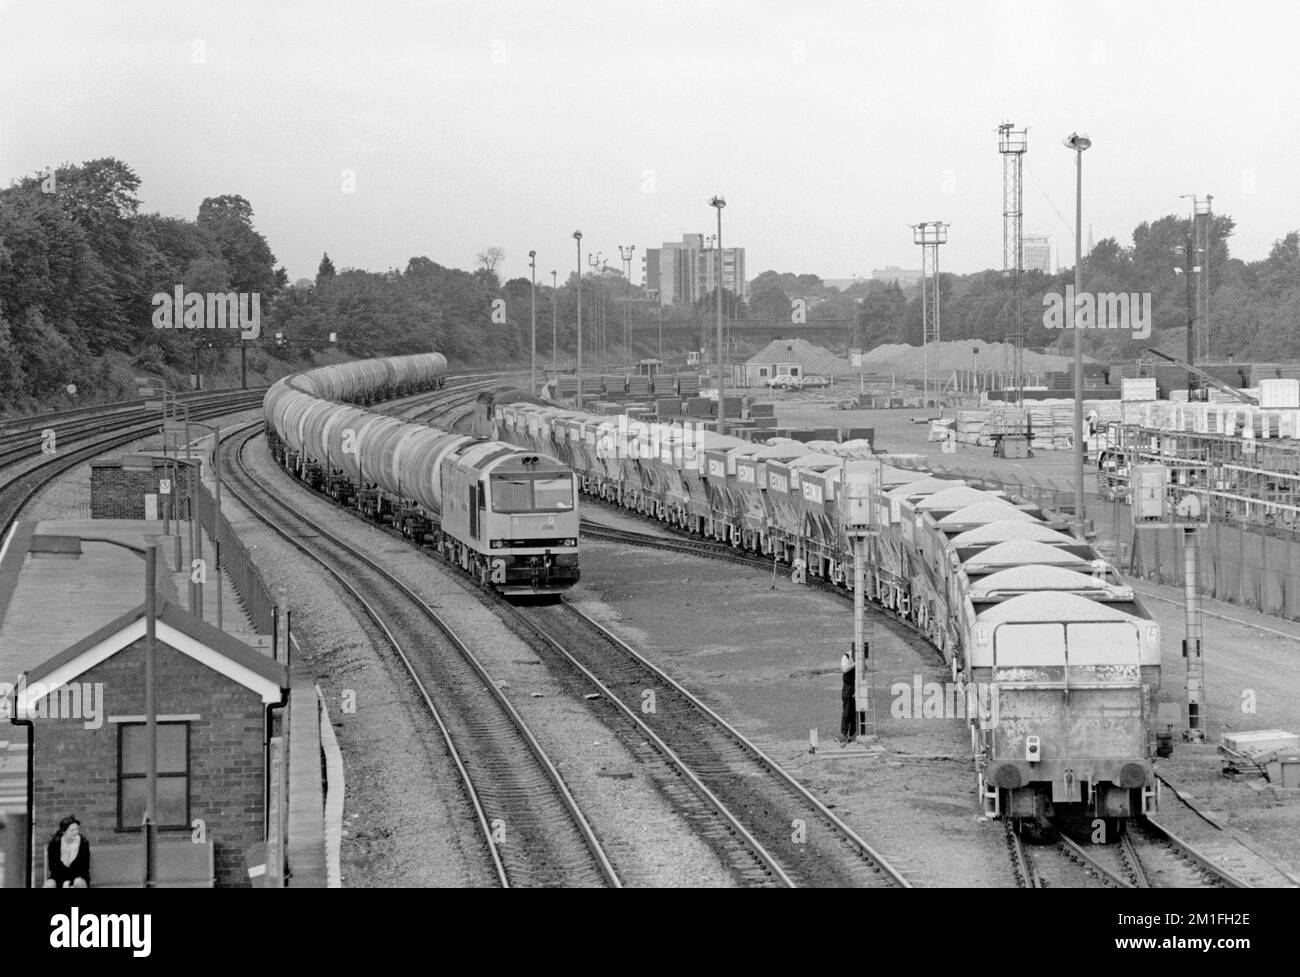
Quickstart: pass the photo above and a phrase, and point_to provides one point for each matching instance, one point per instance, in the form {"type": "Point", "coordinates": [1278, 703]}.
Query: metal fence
{"type": "Point", "coordinates": [258, 599]}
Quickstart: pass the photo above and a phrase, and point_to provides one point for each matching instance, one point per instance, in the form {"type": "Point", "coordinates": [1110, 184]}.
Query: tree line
{"type": "Point", "coordinates": [79, 263]}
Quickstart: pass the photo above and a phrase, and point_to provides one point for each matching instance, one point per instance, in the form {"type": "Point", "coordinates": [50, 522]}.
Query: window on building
{"type": "Point", "coordinates": [173, 775]}
{"type": "Point", "coordinates": [762, 371]}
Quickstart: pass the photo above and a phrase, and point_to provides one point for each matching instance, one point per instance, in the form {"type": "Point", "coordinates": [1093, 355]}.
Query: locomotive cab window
{"type": "Point", "coordinates": [515, 493]}
{"type": "Point", "coordinates": [553, 494]}
{"type": "Point", "coordinates": [511, 494]}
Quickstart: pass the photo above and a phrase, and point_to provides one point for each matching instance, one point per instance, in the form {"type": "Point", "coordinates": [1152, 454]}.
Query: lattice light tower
{"type": "Point", "coordinates": [1012, 144]}
{"type": "Point", "coordinates": [929, 235]}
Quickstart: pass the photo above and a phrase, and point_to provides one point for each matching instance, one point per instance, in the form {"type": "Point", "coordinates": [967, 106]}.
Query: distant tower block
{"type": "Point", "coordinates": [929, 235]}
{"type": "Point", "coordinates": [1012, 144]}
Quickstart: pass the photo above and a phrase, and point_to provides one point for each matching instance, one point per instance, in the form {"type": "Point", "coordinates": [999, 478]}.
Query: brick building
{"type": "Point", "coordinates": [214, 696]}
{"type": "Point", "coordinates": [128, 487]}
{"type": "Point", "coordinates": [63, 590]}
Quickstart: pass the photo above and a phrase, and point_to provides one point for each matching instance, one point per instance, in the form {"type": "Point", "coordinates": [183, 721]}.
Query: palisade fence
{"type": "Point", "coordinates": [1253, 567]}
{"type": "Point", "coordinates": [256, 596]}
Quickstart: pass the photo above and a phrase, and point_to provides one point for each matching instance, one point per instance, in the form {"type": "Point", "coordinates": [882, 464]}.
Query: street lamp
{"type": "Point", "coordinates": [718, 202]}
{"type": "Point", "coordinates": [577, 236]}
{"type": "Point", "coordinates": [196, 531]}
{"type": "Point", "coordinates": [64, 545]}
{"type": "Point", "coordinates": [555, 330]}
{"type": "Point", "coordinates": [1078, 143]}
{"type": "Point", "coordinates": [532, 363]}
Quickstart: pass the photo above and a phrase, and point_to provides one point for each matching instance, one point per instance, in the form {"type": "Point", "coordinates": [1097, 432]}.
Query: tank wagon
{"type": "Point", "coordinates": [507, 516]}
{"type": "Point", "coordinates": [1035, 624]}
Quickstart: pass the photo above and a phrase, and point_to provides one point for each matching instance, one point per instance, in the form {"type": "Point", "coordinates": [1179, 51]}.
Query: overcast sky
{"type": "Point", "coordinates": [829, 127]}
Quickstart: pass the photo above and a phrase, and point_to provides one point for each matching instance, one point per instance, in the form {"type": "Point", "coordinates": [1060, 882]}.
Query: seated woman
{"type": "Point", "coordinates": [67, 859]}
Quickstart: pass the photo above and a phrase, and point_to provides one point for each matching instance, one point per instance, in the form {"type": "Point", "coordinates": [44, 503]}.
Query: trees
{"type": "Point", "coordinates": [229, 218]}
{"type": "Point", "coordinates": [490, 257]}
{"type": "Point", "coordinates": [325, 271]}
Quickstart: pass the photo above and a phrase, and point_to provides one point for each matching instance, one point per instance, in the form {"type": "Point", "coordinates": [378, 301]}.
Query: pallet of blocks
{"type": "Point", "coordinates": [1007, 420]}
{"type": "Point", "coordinates": [1051, 428]}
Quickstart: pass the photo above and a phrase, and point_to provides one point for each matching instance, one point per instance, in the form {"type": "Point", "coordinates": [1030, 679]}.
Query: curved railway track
{"type": "Point", "coordinates": [789, 837]}
{"type": "Point", "coordinates": [530, 824]}
{"type": "Point", "coordinates": [19, 487]}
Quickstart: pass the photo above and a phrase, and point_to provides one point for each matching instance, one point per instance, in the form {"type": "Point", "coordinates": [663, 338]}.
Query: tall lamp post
{"type": "Point", "coordinates": [718, 202]}
{"type": "Point", "coordinates": [1189, 270]}
{"type": "Point", "coordinates": [1078, 143]}
{"type": "Point", "coordinates": [594, 263]}
{"type": "Point", "coordinates": [555, 329]}
{"type": "Point", "coordinates": [577, 236]}
{"type": "Point", "coordinates": [532, 363]}
{"type": "Point", "coordinates": [626, 254]}
{"type": "Point", "coordinates": [64, 545]}
{"type": "Point", "coordinates": [196, 531]}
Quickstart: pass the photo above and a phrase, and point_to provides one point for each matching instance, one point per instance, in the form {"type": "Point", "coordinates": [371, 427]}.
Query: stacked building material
{"type": "Point", "coordinates": [1051, 427]}
{"type": "Point", "coordinates": [970, 426]}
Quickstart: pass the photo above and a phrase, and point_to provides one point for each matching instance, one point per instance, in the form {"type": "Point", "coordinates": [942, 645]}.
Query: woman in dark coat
{"type": "Point", "coordinates": [67, 858]}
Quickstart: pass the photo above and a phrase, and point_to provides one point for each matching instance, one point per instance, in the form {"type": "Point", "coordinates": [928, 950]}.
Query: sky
{"type": "Point", "coordinates": [382, 130]}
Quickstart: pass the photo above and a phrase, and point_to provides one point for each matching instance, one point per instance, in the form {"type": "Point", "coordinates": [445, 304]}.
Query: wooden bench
{"type": "Point", "coordinates": [180, 865]}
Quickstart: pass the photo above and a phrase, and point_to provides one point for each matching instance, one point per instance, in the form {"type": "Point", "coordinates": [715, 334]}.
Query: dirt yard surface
{"type": "Point", "coordinates": [767, 660]}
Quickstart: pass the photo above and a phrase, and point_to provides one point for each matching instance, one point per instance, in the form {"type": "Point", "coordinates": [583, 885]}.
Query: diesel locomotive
{"type": "Point", "coordinates": [507, 516]}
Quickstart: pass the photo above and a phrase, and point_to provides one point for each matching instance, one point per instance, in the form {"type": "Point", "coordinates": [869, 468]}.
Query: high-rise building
{"type": "Point", "coordinates": [1036, 253]}
{"type": "Point", "coordinates": [684, 271]}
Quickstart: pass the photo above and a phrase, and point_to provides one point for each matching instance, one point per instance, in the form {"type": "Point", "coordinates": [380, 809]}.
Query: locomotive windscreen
{"type": "Point", "coordinates": [515, 493]}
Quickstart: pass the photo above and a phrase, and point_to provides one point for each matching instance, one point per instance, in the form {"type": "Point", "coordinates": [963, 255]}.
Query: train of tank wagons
{"type": "Point", "coordinates": [1031, 617]}
{"type": "Point", "coordinates": [506, 516]}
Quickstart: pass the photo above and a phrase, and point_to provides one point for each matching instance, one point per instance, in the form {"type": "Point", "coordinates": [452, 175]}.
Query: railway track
{"type": "Point", "coordinates": [1220, 857]}
{"type": "Point", "coordinates": [1058, 861]}
{"type": "Point", "coordinates": [763, 823]}
{"type": "Point", "coordinates": [25, 437]}
{"type": "Point", "coordinates": [18, 486]}
{"type": "Point", "coordinates": [531, 827]}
